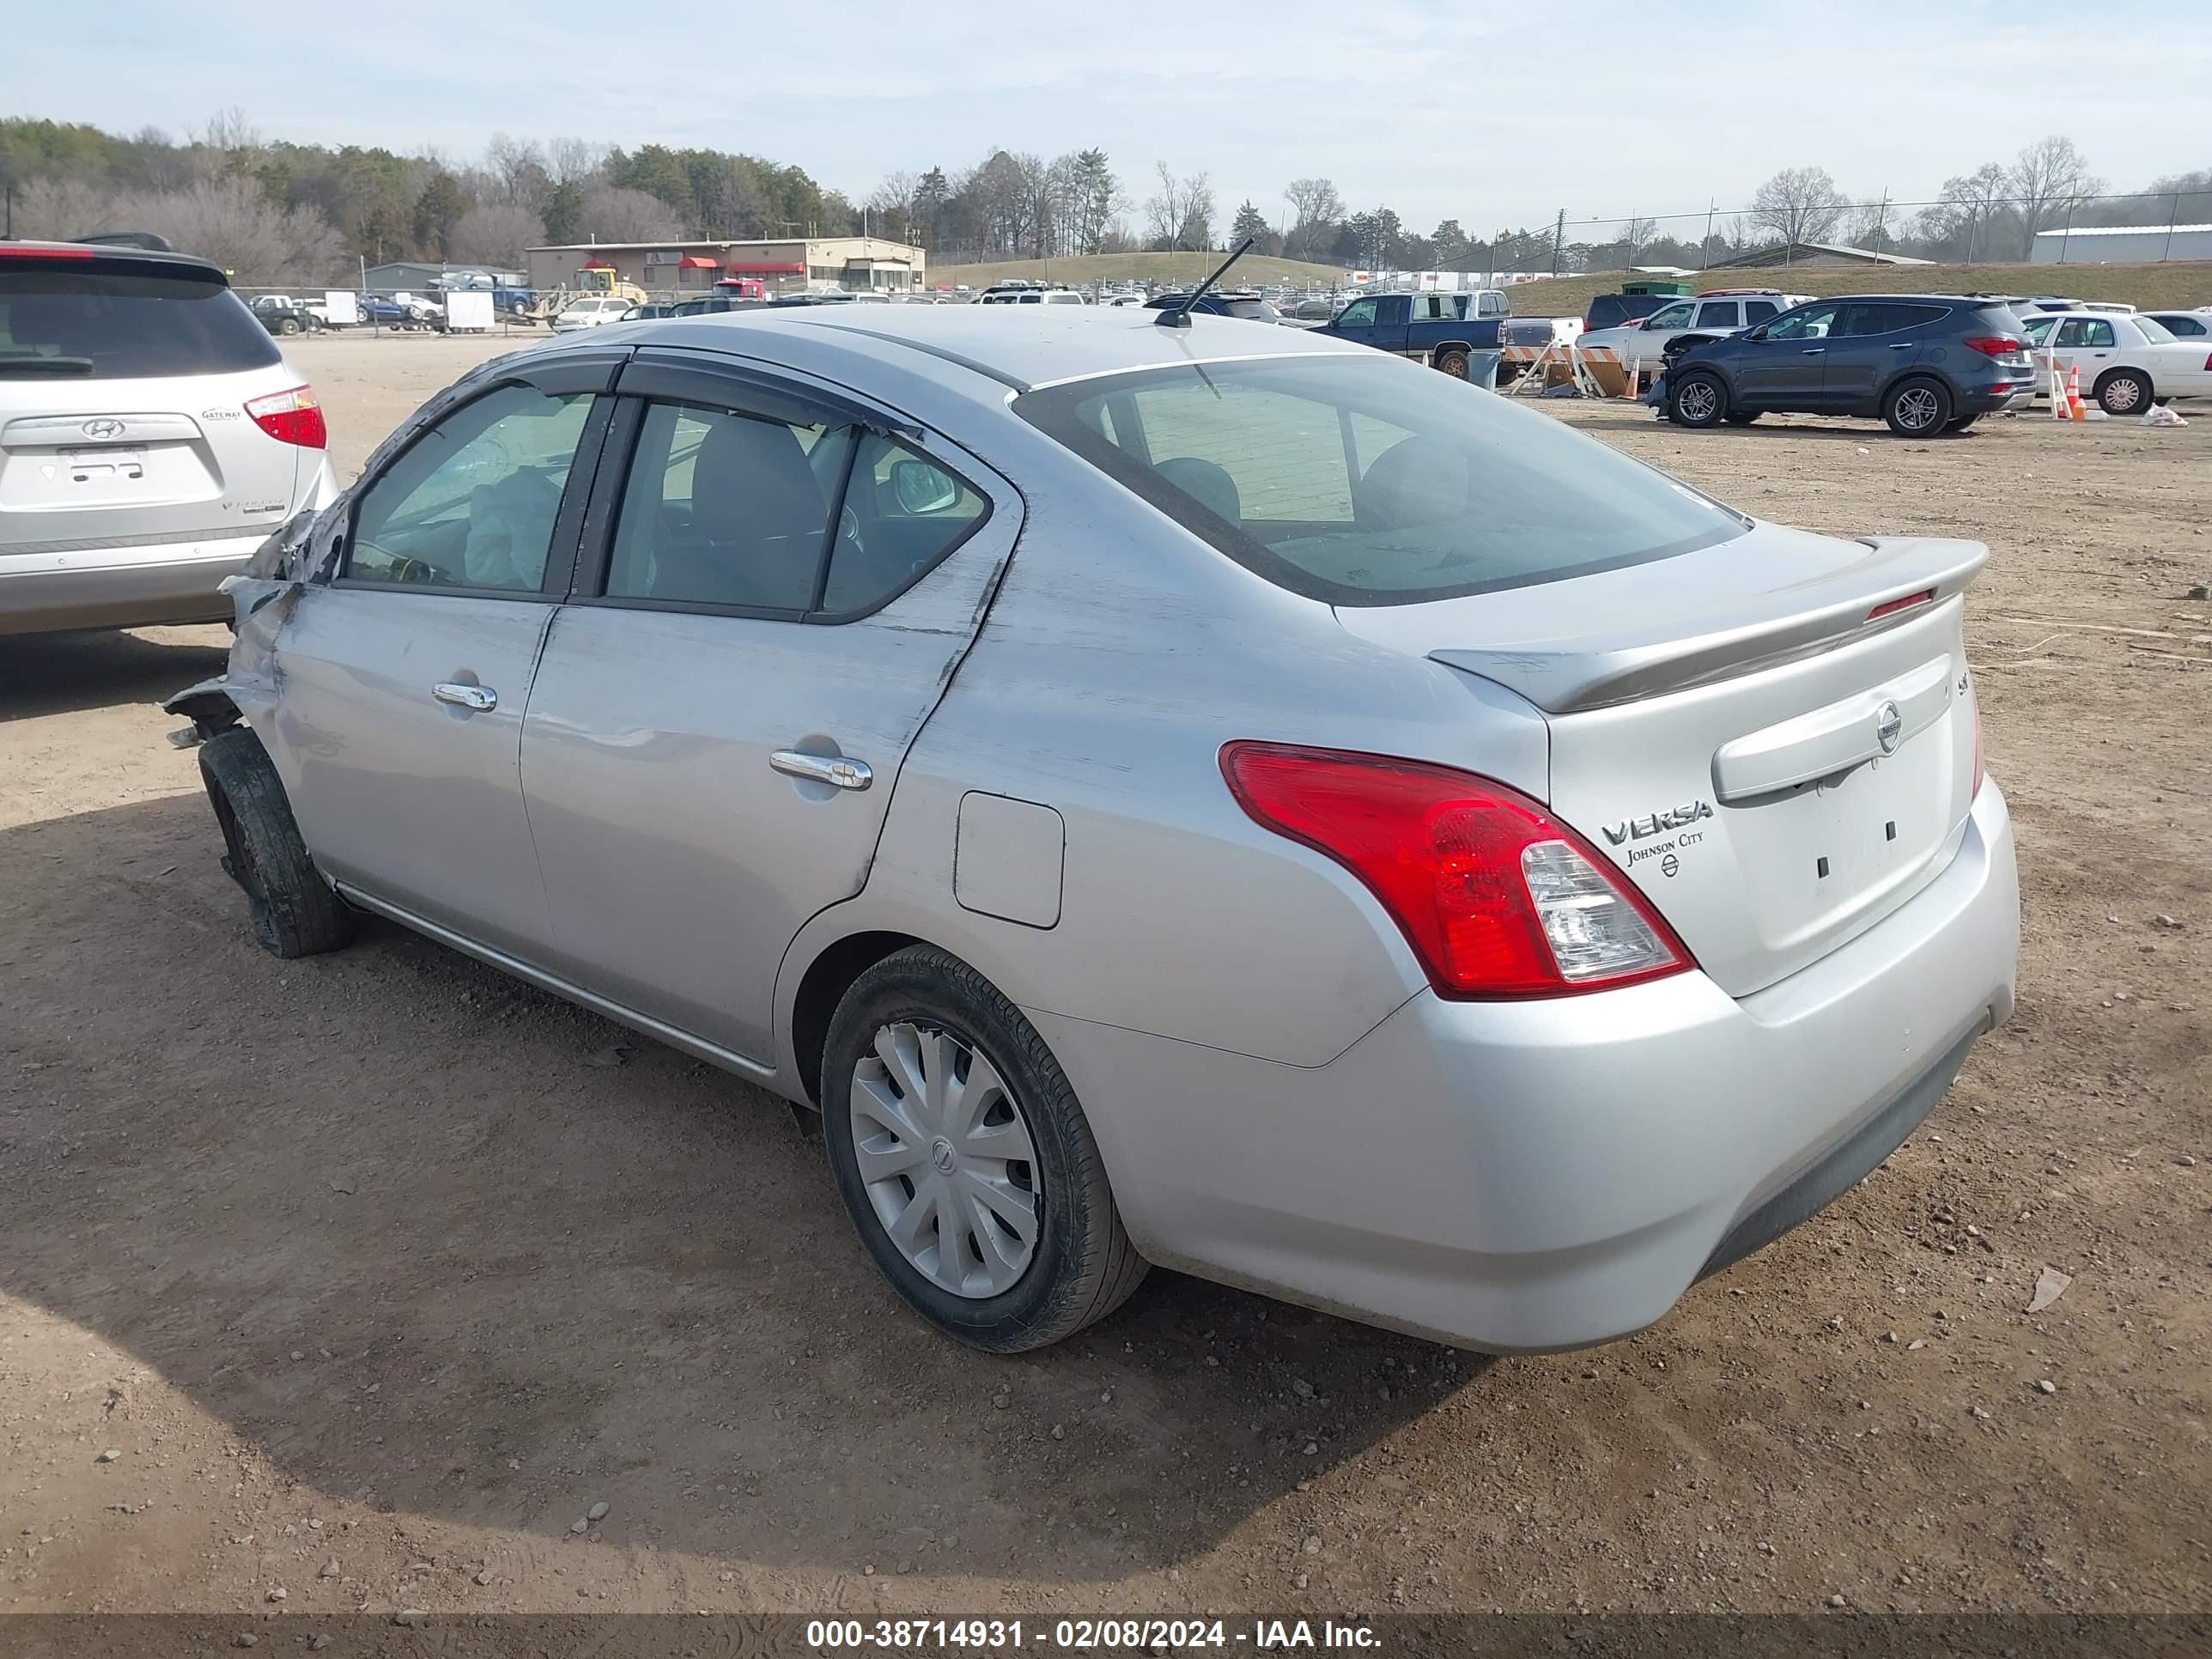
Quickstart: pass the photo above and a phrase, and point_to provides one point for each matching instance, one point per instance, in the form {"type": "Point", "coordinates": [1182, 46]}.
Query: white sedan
{"type": "Point", "coordinates": [591, 311]}
{"type": "Point", "coordinates": [2127, 363]}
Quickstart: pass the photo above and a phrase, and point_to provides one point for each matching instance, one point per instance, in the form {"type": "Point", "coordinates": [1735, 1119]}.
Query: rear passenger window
{"type": "Point", "coordinates": [1717, 313]}
{"type": "Point", "coordinates": [726, 509]}
{"type": "Point", "coordinates": [903, 514]}
{"type": "Point", "coordinates": [1758, 311]}
{"type": "Point", "coordinates": [472, 502]}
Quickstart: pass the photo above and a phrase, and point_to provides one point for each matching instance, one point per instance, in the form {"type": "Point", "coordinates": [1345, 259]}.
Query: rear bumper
{"type": "Point", "coordinates": [1543, 1175]}
{"type": "Point", "coordinates": [121, 587]}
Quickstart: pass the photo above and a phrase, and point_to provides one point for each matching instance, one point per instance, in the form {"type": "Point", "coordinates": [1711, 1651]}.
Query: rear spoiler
{"type": "Point", "coordinates": [1761, 631]}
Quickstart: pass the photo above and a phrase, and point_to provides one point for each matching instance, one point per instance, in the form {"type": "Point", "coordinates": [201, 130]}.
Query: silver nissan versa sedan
{"type": "Point", "coordinates": [1210, 796]}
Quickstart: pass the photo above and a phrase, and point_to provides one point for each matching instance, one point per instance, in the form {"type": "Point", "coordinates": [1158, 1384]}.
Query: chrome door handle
{"type": "Point", "coordinates": [1812, 352]}
{"type": "Point", "coordinates": [1902, 345]}
{"type": "Point", "coordinates": [476, 699]}
{"type": "Point", "coordinates": [845, 773]}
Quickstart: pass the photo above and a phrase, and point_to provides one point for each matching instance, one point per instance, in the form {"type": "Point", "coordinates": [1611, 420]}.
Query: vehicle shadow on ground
{"type": "Point", "coordinates": [431, 1239]}
{"type": "Point", "coordinates": [45, 674]}
{"type": "Point", "coordinates": [1770, 427]}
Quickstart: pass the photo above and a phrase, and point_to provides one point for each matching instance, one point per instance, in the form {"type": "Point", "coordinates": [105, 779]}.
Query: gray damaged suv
{"type": "Point", "coordinates": [151, 437]}
{"type": "Point", "coordinates": [1925, 363]}
{"type": "Point", "coordinates": [1287, 815]}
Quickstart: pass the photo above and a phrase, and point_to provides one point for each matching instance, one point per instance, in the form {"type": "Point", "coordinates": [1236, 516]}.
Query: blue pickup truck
{"type": "Point", "coordinates": [1441, 330]}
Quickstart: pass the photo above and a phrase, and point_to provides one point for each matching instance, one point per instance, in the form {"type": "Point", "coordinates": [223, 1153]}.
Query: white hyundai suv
{"type": "Point", "coordinates": [151, 437]}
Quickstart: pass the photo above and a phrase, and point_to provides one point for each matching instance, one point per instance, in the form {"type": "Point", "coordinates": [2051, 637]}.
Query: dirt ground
{"type": "Point", "coordinates": [365, 1279]}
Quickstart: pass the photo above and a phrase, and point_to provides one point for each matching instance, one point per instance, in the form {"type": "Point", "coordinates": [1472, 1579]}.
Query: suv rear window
{"type": "Point", "coordinates": [1357, 481]}
{"type": "Point", "coordinates": [107, 326]}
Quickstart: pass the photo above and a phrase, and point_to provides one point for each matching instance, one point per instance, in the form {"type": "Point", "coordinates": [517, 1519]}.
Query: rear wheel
{"type": "Point", "coordinates": [2122, 392]}
{"type": "Point", "coordinates": [1917, 408]}
{"type": "Point", "coordinates": [296, 911]}
{"type": "Point", "coordinates": [1452, 362]}
{"type": "Point", "coordinates": [1697, 401]}
{"type": "Point", "coordinates": [288, 324]}
{"type": "Point", "coordinates": [964, 1160]}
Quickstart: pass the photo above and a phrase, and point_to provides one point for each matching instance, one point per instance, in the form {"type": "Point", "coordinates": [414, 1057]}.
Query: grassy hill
{"type": "Point", "coordinates": [1134, 268]}
{"type": "Point", "coordinates": [2176, 283]}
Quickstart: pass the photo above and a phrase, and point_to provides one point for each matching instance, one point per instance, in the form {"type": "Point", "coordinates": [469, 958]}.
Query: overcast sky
{"type": "Point", "coordinates": [1469, 110]}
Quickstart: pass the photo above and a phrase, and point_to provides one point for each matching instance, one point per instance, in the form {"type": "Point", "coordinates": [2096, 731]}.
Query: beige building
{"type": "Point", "coordinates": [785, 267]}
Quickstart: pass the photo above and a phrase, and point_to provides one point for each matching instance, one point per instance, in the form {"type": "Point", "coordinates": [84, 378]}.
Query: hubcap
{"type": "Point", "coordinates": [1699, 401]}
{"type": "Point", "coordinates": [946, 1158]}
{"type": "Point", "coordinates": [1917, 407]}
{"type": "Point", "coordinates": [2123, 393]}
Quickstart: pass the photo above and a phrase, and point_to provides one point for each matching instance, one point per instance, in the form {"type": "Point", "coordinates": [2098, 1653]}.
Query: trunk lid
{"type": "Point", "coordinates": [1771, 765]}
{"type": "Point", "coordinates": [104, 463]}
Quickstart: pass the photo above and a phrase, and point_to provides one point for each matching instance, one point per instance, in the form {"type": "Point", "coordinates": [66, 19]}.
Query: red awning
{"type": "Point", "coordinates": [693, 262]}
{"type": "Point", "coordinates": [763, 268]}
{"type": "Point", "coordinates": [595, 264]}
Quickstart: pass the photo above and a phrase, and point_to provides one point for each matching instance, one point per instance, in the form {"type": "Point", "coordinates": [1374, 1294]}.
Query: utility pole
{"type": "Point", "coordinates": [1559, 236]}
{"type": "Point", "coordinates": [1705, 247]}
{"type": "Point", "coordinates": [2173, 215]}
{"type": "Point", "coordinates": [2066, 235]}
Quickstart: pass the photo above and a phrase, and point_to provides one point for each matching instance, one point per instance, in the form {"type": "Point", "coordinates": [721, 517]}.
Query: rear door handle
{"type": "Point", "coordinates": [1902, 345]}
{"type": "Point", "coordinates": [840, 769]}
{"type": "Point", "coordinates": [1813, 351]}
{"type": "Point", "coordinates": [476, 699]}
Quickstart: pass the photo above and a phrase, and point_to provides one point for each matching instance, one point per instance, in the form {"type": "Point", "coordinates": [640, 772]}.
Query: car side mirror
{"type": "Point", "coordinates": [920, 488]}
{"type": "Point", "coordinates": [1759, 333]}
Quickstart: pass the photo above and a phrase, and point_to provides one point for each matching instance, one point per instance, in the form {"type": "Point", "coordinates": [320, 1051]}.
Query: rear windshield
{"type": "Point", "coordinates": [2154, 331]}
{"type": "Point", "coordinates": [1357, 481]}
{"type": "Point", "coordinates": [87, 324]}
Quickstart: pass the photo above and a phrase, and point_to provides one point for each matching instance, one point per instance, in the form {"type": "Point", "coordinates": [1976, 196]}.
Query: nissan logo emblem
{"type": "Point", "coordinates": [103, 428]}
{"type": "Point", "coordinates": [1888, 727]}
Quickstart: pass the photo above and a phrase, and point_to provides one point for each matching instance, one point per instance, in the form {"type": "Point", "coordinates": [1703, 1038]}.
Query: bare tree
{"type": "Point", "coordinates": [1638, 232]}
{"type": "Point", "coordinates": [1197, 229]}
{"type": "Point", "coordinates": [573, 161]}
{"type": "Point", "coordinates": [615, 214]}
{"type": "Point", "coordinates": [892, 200]}
{"type": "Point", "coordinates": [229, 133]}
{"type": "Point", "coordinates": [497, 233]}
{"type": "Point", "coordinates": [225, 219]}
{"type": "Point", "coordinates": [1316, 211]}
{"type": "Point", "coordinates": [1166, 209]}
{"type": "Point", "coordinates": [1798, 205]}
{"type": "Point", "coordinates": [516, 171]}
{"type": "Point", "coordinates": [2049, 178]}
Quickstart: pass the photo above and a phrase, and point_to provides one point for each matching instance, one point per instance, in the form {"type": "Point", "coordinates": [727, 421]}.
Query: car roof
{"type": "Point", "coordinates": [113, 257]}
{"type": "Point", "coordinates": [1067, 343]}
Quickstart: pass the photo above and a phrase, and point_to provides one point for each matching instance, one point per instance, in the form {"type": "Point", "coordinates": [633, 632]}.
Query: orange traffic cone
{"type": "Point", "coordinates": [2074, 410]}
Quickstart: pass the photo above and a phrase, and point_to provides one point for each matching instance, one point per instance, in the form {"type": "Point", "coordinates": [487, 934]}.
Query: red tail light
{"type": "Point", "coordinates": [291, 418]}
{"type": "Point", "coordinates": [1891, 607]}
{"type": "Point", "coordinates": [1995, 345]}
{"type": "Point", "coordinates": [1497, 898]}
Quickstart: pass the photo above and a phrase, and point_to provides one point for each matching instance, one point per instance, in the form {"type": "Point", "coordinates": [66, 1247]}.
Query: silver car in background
{"type": "Point", "coordinates": [1198, 796]}
{"type": "Point", "coordinates": [151, 437]}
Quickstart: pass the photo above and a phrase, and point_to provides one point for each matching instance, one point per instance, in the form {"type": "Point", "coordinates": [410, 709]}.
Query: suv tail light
{"type": "Point", "coordinates": [1995, 345]}
{"type": "Point", "coordinates": [1497, 898]}
{"type": "Point", "coordinates": [291, 418]}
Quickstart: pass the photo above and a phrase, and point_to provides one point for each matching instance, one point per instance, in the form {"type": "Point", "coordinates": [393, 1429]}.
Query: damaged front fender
{"type": "Point", "coordinates": [247, 689]}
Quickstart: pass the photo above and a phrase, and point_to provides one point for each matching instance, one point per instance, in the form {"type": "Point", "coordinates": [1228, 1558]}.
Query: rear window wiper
{"type": "Point", "coordinates": [46, 365]}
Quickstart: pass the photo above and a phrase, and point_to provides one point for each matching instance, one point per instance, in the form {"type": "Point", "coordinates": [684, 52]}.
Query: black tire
{"type": "Point", "coordinates": [1741, 416]}
{"type": "Point", "coordinates": [296, 911]}
{"type": "Point", "coordinates": [1917, 407]}
{"type": "Point", "coordinates": [2122, 392]}
{"type": "Point", "coordinates": [1452, 362]}
{"type": "Point", "coordinates": [1083, 1265]}
{"type": "Point", "coordinates": [1960, 423]}
{"type": "Point", "coordinates": [288, 324]}
{"type": "Point", "coordinates": [1707, 400]}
